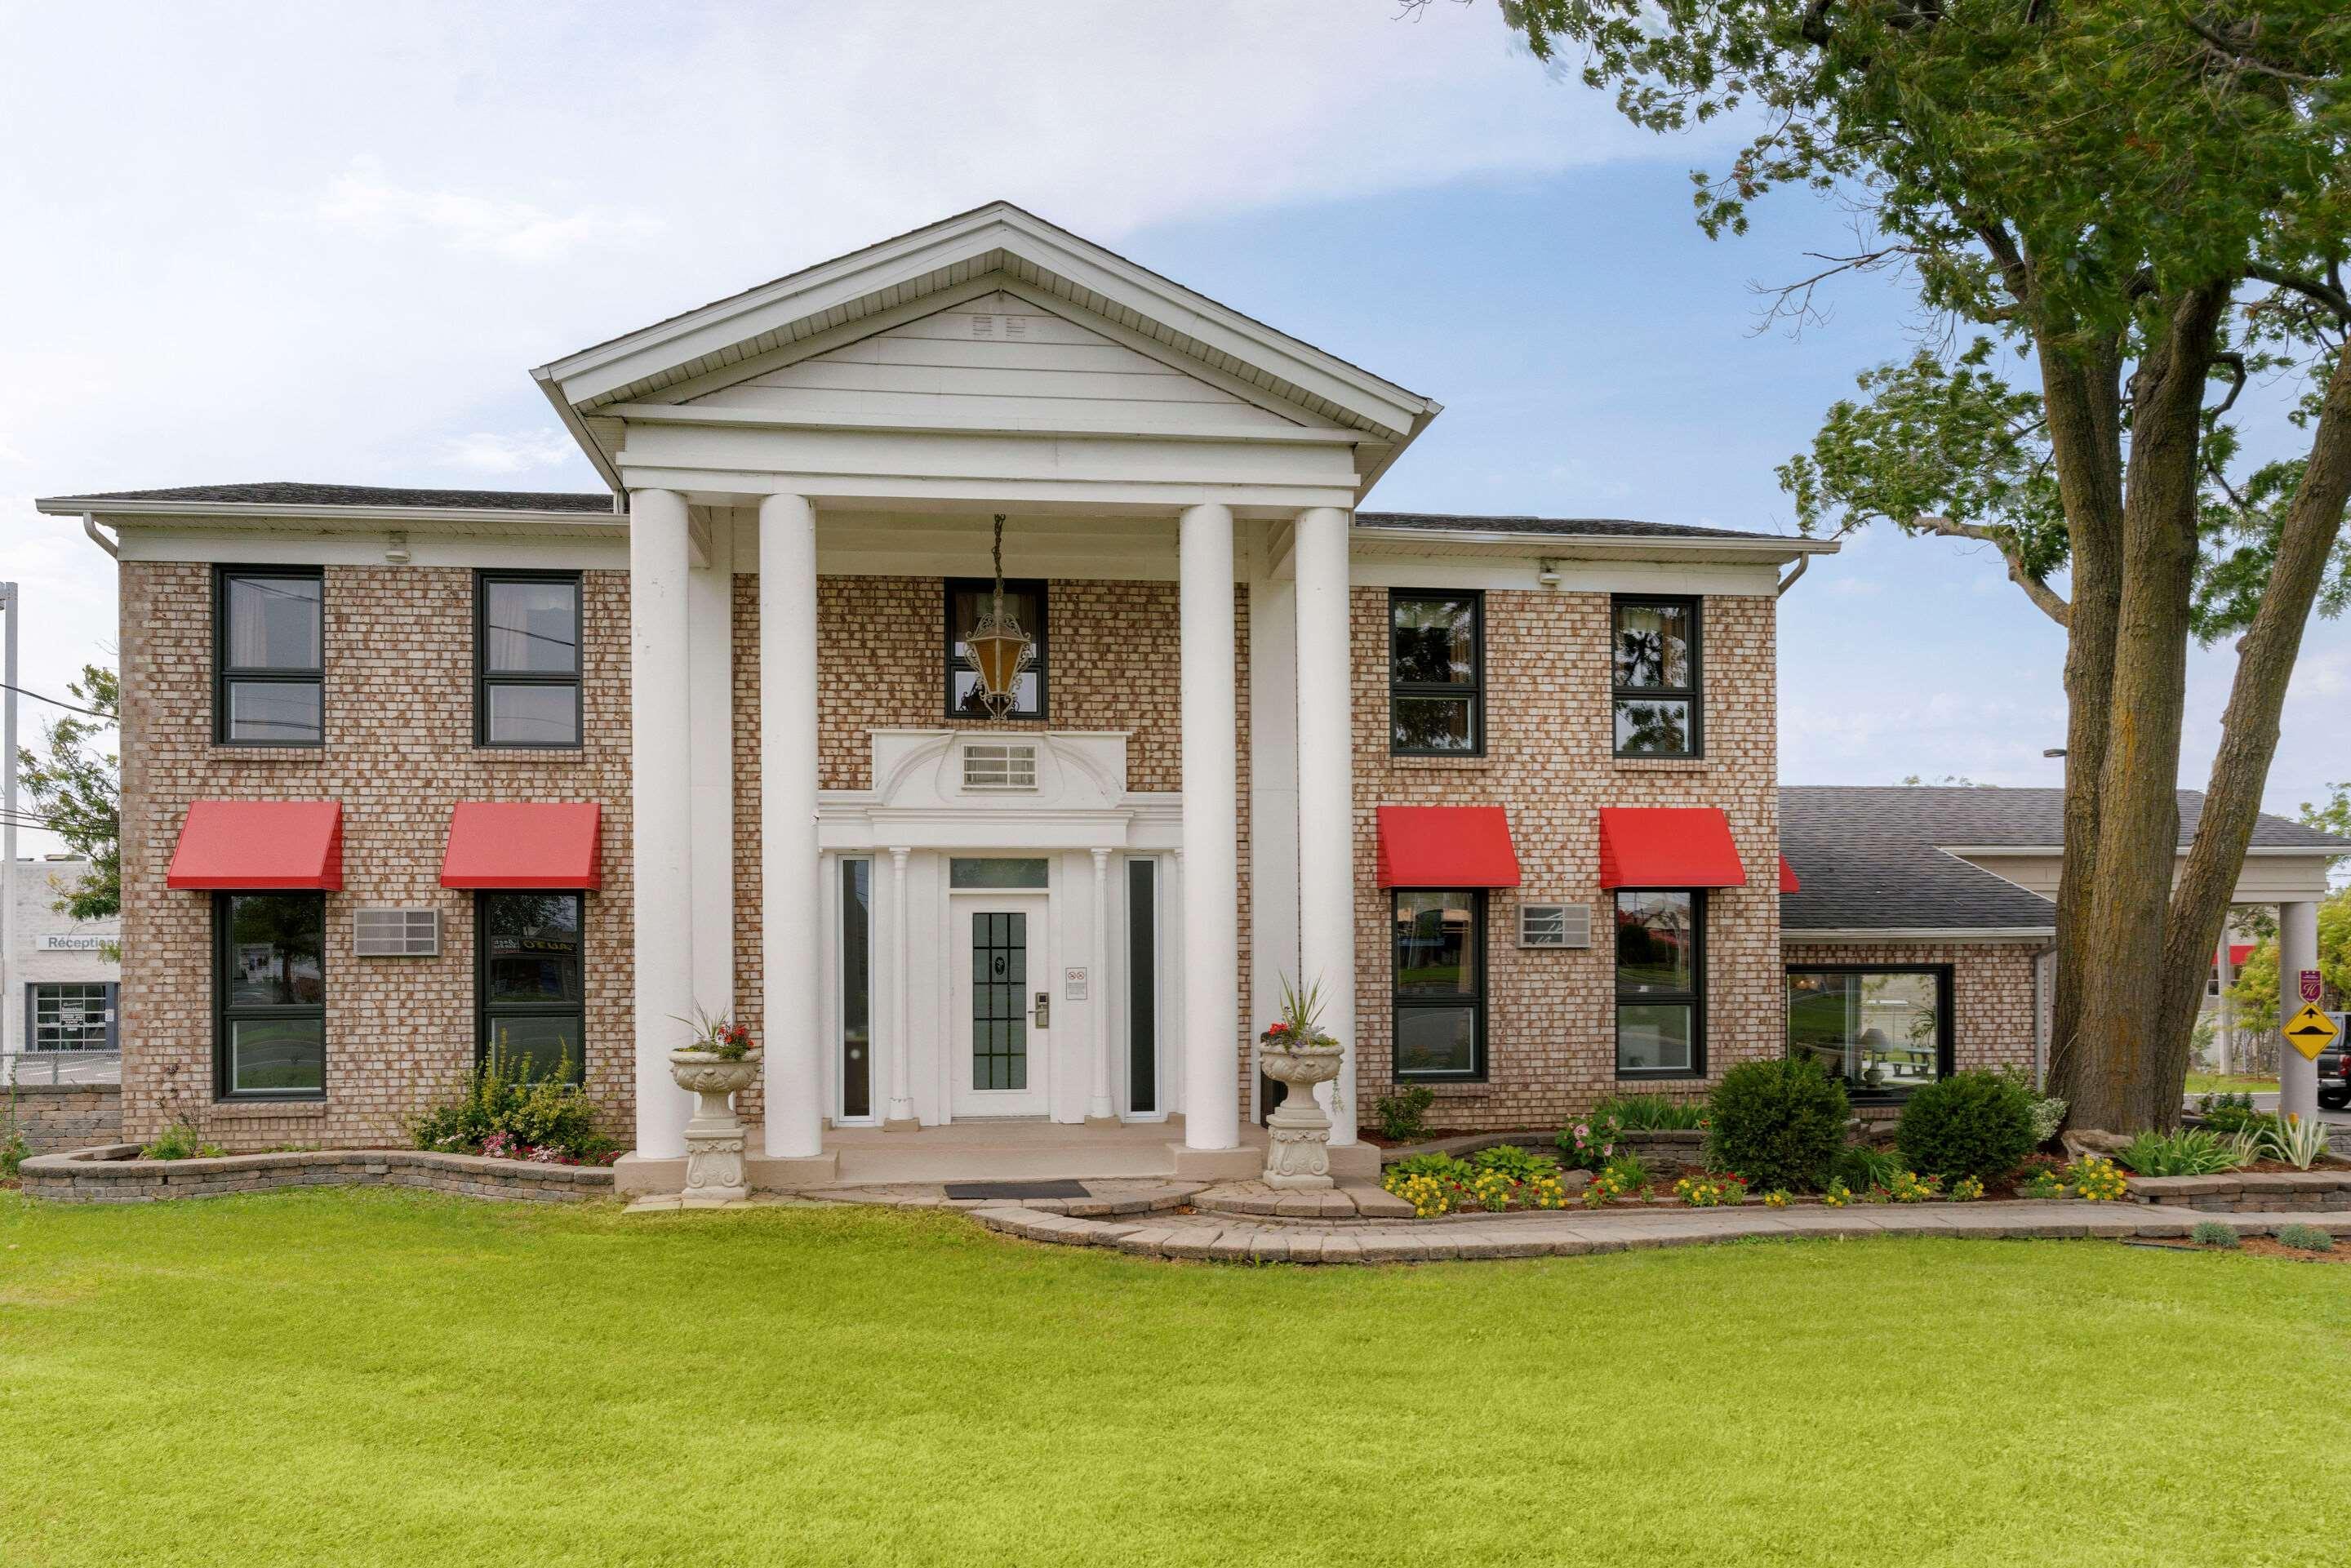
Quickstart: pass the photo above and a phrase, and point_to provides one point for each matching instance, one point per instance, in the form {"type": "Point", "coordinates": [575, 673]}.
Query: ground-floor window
{"type": "Point", "coordinates": [1440, 982]}
{"type": "Point", "coordinates": [269, 994]}
{"type": "Point", "coordinates": [1660, 983]}
{"type": "Point", "coordinates": [857, 988]}
{"type": "Point", "coordinates": [70, 1015]}
{"type": "Point", "coordinates": [1142, 988]}
{"type": "Point", "coordinates": [529, 987]}
{"type": "Point", "coordinates": [1883, 1029]}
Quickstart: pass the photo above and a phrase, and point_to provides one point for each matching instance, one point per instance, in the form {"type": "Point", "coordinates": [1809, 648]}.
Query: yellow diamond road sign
{"type": "Point", "coordinates": [2310, 1032]}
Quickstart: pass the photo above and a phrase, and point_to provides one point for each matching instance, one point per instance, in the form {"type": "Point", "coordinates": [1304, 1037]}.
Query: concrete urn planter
{"type": "Point", "coordinates": [1298, 1148]}
{"type": "Point", "coordinates": [713, 1138]}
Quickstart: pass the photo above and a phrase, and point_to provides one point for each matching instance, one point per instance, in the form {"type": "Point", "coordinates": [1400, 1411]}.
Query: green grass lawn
{"type": "Point", "coordinates": [376, 1376]}
{"type": "Point", "coordinates": [2231, 1083]}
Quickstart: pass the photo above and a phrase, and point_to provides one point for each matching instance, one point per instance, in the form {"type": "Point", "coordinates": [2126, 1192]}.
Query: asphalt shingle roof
{"type": "Point", "coordinates": [1868, 856]}
{"type": "Point", "coordinates": [283, 492]}
{"type": "Point", "coordinates": [1588, 528]}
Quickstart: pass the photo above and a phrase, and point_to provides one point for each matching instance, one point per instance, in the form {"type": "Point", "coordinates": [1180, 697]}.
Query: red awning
{"type": "Point", "coordinates": [1788, 882]}
{"type": "Point", "coordinates": [1668, 846]}
{"type": "Point", "coordinates": [497, 843]}
{"type": "Point", "coordinates": [1446, 846]}
{"type": "Point", "coordinates": [255, 845]}
{"type": "Point", "coordinates": [2238, 953]}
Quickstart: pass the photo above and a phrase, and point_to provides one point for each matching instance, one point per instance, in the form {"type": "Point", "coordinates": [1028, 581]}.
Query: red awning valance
{"type": "Point", "coordinates": [1446, 846]}
{"type": "Point", "coordinates": [497, 843]}
{"type": "Point", "coordinates": [1788, 882]}
{"type": "Point", "coordinates": [1668, 846]}
{"type": "Point", "coordinates": [259, 845]}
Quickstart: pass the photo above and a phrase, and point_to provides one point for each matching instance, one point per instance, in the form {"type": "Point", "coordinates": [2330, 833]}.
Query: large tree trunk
{"type": "Point", "coordinates": [2248, 729]}
{"type": "Point", "coordinates": [2130, 887]}
{"type": "Point", "coordinates": [2082, 389]}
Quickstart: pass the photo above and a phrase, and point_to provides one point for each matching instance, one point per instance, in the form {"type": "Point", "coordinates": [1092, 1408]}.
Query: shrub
{"type": "Point", "coordinates": [2211, 1233]}
{"type": "Point", "coordinates": [2048, 1113]}
{"type": "Point", "coordinates": [2192, 1153]}
{"type": "Point", "coordinates": [2304, 1237]}
{"type": "Point", "coordinates": [1518, 1163]}
{"type": "Point", "coordinates": [180, 1142]}
{"type": "Point", "coordinates": [2298, 1143]}
{"type": "Point", "coordinates": [1778, 1124]}
{"type": "Point", "coordinates": [1861, 1168]}
{"type": "Point", "coordinates": [2095, 1180]}
{"type": "Point", "coordinates": [503, 1100]}
{"type": "Point", "coordinates": [1651, 1113]}
{"type": "Point", "coordinates": [2230, 1114]}
{"type": "Point", "coordinates": [1403, 1115]}
{"type": "Point", "coordinates": [1971, 1123]}
{"type": "Point", "coordinates": [1588, 1143]}
{"type": "Point", "coordinates": [14, 1153]}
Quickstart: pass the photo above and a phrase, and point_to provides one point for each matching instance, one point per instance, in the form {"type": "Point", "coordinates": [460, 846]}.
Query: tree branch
{"type": "Point", "coordinates": [2236, 363]}
{"type": "Point", "coordinates": [2052, 603]}
{"type": "Point", "coordinates": [2331, 296]}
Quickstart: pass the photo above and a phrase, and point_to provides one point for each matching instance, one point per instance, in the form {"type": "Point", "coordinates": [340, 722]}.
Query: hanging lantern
{"type": "Point", "coordinates": [996, 647]}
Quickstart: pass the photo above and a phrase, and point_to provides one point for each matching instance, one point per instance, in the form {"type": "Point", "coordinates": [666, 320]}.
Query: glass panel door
{"type": "Point", "coordinates": [1003, 1004]}
{"type": "Point", "coordinates": [1000, 1000]}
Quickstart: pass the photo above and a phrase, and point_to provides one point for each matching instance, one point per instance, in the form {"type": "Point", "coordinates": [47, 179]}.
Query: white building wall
{"type": "Point", "coordinates": [32, 886]}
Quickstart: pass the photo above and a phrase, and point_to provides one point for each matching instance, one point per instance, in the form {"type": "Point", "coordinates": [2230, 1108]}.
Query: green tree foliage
{"type": "Point", "coordinates": [2255, 989]}
{"type": "Point", "coordinates": [2114, 214]}
{"type": "Point", "coordinates": [77, 788]}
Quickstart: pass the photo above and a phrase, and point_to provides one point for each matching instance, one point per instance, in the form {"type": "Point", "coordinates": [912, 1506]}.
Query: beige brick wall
{"type": "Point", "coordinates": [1550, 1027]}
{"type": "Point", "coordinates": [1991, 990]}
{"type": "Point", "coordinates": [399, 754]}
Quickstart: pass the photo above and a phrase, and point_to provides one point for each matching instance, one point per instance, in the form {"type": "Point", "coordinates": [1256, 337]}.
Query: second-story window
{"type": "Point", "coordinates": [526, 659]}
{"type": "Point", "coordinates": [1660, 707]}
{"type": "Point", "coordinates": [1437, 674]}
{"type": "Point", "coordinates": [268, 656]}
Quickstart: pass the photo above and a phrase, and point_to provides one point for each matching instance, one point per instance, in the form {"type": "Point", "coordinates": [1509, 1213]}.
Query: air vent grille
{"type": "Point", "coordinates": [1006, 766]}
{"type": "Point", "coordinates": [396, 933]}
{"type": "Point", "coordinates": [1554, 925]}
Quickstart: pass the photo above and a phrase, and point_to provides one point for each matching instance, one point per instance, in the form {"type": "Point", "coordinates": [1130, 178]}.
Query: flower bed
{"type": "Point", "coordinates": [115, 1173]}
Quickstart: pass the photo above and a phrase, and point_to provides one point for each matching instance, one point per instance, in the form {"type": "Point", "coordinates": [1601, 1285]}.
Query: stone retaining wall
{"type": "Point", "coordinates": [2250, 1192]}
{"type": "Point", "coordinates": [115, 1173]}
{"type": "Point", "coordinates": [55, 1116]}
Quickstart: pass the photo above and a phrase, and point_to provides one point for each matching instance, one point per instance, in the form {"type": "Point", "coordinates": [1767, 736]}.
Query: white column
{"type": "Point", "coordinates": [1326, 793]}
{"type": "Point", "coordinates": [2297, 951]}
{"type": "Point", "coordinates": [788, 895]}
{"type": "Point", "coordinates": [1099, 1111]}
{"type": "Point", "coordinates": [1211, 816]}
{"type": "Point", "coordinates": [1272, 954]}
{"type": "Point", "coordinates": [710, 697]}
{"type": "Point", "coordinates": [661, 811]}
{"type": "Point", "coordinates": [901, 1117]}
{"type": "Point", "coordinates": [2224, 1010]}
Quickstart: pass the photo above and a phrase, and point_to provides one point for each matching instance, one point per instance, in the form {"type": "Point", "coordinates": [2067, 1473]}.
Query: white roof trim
{"type": "Point", "coordinates": [1569, 546]}
{"type": "Point", "coordinates": [702, 414]}
{"type": "Point", "coordinates": [1924, 934]}
{"type": "Point", "coordinates": [2307, 852]}
{"type": "Point", "coordinates": [264, 511]}
{"type": "Point", "coordinates": [910, 266]}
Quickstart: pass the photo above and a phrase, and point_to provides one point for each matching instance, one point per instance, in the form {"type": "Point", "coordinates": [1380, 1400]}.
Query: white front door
{"type": "Point", "coordinates": [1003, 1001]}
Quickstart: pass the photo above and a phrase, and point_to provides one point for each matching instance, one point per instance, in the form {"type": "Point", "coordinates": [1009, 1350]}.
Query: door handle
{"type": "Point", "coordinates": [1043, 1016]}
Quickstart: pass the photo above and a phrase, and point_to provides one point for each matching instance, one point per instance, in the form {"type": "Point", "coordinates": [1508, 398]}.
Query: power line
{"type": "Point", "coordinates": [53, 702]}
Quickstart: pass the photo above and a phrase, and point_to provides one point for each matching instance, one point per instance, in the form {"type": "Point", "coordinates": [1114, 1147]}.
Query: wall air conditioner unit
{"type": "Point", "coordinates": [1554, 925]}
{"type": "Point", "coordinates": [396, 933]}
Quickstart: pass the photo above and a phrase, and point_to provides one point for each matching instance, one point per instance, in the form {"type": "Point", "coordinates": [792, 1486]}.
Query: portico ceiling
{"type": "Point", "coordinates": [653, 374]}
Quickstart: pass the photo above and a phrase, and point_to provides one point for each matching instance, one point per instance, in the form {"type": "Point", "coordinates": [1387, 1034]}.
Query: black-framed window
{"type": "Point", "coordinates": [857, 988]}
{"type": "Point", "coordinates": [268, 655]}
{"type": "Point", "coordinates": [526, 659]}
{"type": "Point", "coordinates": [1883, 1028]}
{"type": "Point", "coordinates": [269, 996]}
{"type": "Point", "coordinates": [1142, 987]}
{"type": "Point", "coordinates": [1440, 982]}
{"type": "Point", "coordinates": [1660, 982]}
{"type": "Point", "coordinates": [967, 598]}
{"type": "Point", "coordinates": [528, 986]}
{"type": "Point", "coordinates": [70, 1015]}
{"type": "Point", "coordinates": [1658, 684]}
{"type": "Point", "coordinates": [1436, 672]}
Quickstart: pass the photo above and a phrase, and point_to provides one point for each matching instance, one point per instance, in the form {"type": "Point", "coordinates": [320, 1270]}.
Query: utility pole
{"type": "Point", "coordinates": [11, 611]}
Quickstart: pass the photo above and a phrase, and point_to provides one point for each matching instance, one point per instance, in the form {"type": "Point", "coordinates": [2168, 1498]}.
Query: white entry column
{"type": "Point", "coordinates": [1211, 818]}
{"type": "Point", "coordinates": [2297, 951]}
{"type": "Point", "coordinates": [789, 910]}
{"type": "Point", "coordinates": [661, 811]}
{"type": "Point", "coordinates": [1326, 792]}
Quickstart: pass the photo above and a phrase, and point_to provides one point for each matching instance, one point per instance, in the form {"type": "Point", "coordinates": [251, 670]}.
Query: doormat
{"type": "Point", "coordinates": [1061, 1188]}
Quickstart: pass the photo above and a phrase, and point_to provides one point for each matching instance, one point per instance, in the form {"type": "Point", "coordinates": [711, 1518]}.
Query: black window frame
{"type": "Point", "coordinates": [225, 1013]}
{"type": "Point", "coordinates": [485, 677]}
{"type": "Point", "coordinates": [226, 674]}
{"type": "Point", "coordinates": [1041, 663]}
{"type": "Point", "coordinates": [1481, 1005]}
{"type": "Point", "coordinates": [1475, 691]}
{"type": "Point", "coordinates": [1695, 999]}
{"type": "Point", "coordinates": [1694, 693]}
{"type": "Point", "coordinates": [1946, 1047]}
{"type": "Point", "coordinates": [486, 1010]}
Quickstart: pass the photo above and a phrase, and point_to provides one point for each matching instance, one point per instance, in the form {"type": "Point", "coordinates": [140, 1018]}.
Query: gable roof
{"type": "Point", "coordinates": [996, 245]}
{"type": "Point", "coordinates": [288, 493]}
{"type": "Point", "coordinates": [1971, 817]}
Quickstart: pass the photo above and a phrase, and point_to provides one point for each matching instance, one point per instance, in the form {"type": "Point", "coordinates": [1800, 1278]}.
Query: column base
{"type": "Point", "coordinates": [902, 1124]}
{"type": "Point", "coordinates": [1104, 1122]}
{"type": "Point", "coordinates": [634, 1176]}
{"type": "Point", "coordinates": [1215, 1165]}
{"type": "Point", "coordinates": [774, 1173]}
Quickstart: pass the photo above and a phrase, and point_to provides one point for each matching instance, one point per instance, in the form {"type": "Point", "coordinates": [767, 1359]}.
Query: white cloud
{"type": "Point", "coordinates": [362, 199]}
{"type": "Point", "coordinates": [492, 451]}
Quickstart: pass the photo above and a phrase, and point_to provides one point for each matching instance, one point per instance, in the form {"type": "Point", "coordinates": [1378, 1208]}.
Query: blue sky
{"type": "Point", "coordinates": [291, 242]}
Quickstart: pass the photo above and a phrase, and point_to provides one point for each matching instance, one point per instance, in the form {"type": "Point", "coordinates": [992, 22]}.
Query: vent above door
{"type": "Point", "coordinates": [1000, 767]}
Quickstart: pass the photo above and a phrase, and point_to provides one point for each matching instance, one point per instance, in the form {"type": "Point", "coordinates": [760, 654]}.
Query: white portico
{"type": "Point", "coordinates": [869, 416]}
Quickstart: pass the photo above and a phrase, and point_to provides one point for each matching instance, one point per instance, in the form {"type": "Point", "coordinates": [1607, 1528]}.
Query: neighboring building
{"type": "Point", "coordinates": [408, 773]}
{"type": "Point", "coordinates": [61, 974]}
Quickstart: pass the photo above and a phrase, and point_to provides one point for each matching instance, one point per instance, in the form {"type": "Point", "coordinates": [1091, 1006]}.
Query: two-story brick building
{"type": "Point", "coordinates": [410, 772]}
